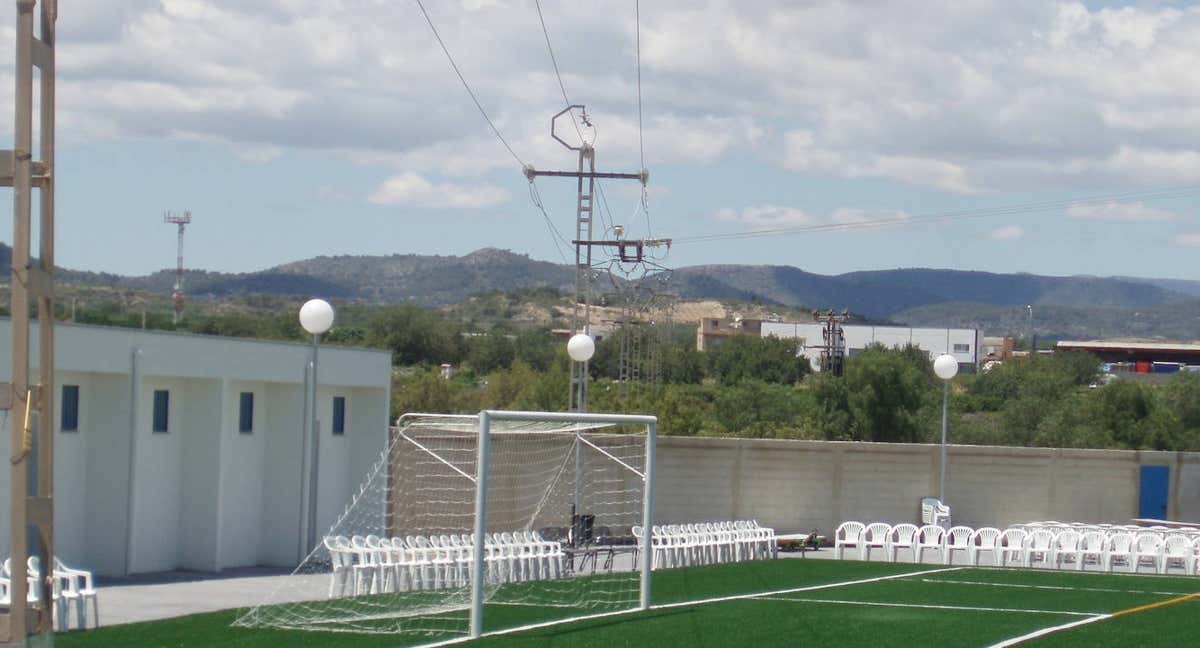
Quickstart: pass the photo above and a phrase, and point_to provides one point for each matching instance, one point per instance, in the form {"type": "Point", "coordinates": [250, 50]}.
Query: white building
{"type": "Point", "coordinates": [178, 451]}
{"type": "Point", "coordinates": [963, 344]}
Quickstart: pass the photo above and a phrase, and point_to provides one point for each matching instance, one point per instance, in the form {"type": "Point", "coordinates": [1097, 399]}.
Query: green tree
{"type": "Point", "coordinates": [879, 398]}
{"type": "Point", "coordinates": [758, 409]}
{"type": "Point", "coordinates": [415, 335]}
{"type": "Point", "coordinates": [769, 359]}
{"type": "Point", "coordinates": [490, 352]}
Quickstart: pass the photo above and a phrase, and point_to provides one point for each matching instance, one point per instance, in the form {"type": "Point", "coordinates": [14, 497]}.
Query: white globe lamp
{"type": "Point", "coordinates": [945, 366]}
{"type": "Point", "coordinates": [316, 316]}
{"type": "Point", "coordinates": [581, 347]}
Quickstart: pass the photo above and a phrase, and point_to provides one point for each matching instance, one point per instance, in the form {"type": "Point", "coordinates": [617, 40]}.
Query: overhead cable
{"type": "Point", "coordinates": [467, 86]}
{"type": "Point", "coordinates": [1009, 210]}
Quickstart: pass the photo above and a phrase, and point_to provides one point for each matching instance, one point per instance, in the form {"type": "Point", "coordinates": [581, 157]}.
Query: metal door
{"type": "Point", "coordinates": [1152, 498]}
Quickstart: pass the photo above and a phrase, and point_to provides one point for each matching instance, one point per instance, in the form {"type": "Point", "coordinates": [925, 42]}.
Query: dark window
{"type": "Point", "coordinates": [162, 400]}
{"type": "Point", "coordinates": [962, 348]}
{"type": "Point", "coordinates": [246, 413]}
{"type": "Point", "coordinates": [70, 408]}
{"type": "Point", "coordinates": [339, 414]}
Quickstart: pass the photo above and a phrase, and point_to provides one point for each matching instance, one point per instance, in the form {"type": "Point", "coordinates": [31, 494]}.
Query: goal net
{"type": "Point", "coordinates": [559, 501]}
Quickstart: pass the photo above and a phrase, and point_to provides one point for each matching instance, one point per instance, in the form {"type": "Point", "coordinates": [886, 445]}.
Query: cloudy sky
{"type": "Point", "coordinates": [294, 128]}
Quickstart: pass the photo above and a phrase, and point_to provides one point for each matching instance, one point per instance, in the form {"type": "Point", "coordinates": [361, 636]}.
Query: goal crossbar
{"type": "Point", "coordinates": [486, 419]}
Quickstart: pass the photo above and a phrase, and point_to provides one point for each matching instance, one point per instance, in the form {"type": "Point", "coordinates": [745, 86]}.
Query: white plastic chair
{"type": "Point", "coordinates": [770, 542]}
{"type": "Point", "coordinates": [849, 534]}
{"type": "Point", "coordinates": [404, 565]}
{"type": "Point", "coordinates": [1066, 548]}
{"type": "Point", "coordinates": [957, 539]}
{"type": "Point", "coordinates": [1091, 549]}
{"type": "Point", "coordinates": [1178, 552]}
{"type": "Point", "coordinates": [875, 537]}
{"type": "Point", "coordinates": [422, 562]}
{"type": "Point", "coordinates": [79, 590]}
{"type": "Point", "coordinates": [984, 539]}
{"type": "Point", "coordinates": [1039, 547]}
{"type": "Point", "coordinates": [930, 537]}
{"type": "Point", "coordinates": [902, 536]}
{"type": "Point", "coordinates": [1147, 551]}
{"type": "Point", "coordinates": [366, 571]}
{"type": "Point", "coordinates": [1011, 547]}
{"type": "Point", "coordinates": [342, 563]}
{"type": "Point", "coordinates": [656, 549]}
{"type": "Point", "coordinates": [58, 602]}
{"type": "Point", "coordinates": [1119, 551]}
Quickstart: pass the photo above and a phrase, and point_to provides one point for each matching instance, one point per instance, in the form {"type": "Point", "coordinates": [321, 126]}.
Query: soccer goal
{"type": "Point", "coordinates": [483, 524]}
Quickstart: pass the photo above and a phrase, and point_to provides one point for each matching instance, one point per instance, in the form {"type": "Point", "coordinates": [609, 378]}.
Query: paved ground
{"type": "Point", "coordinates": [160, 596]}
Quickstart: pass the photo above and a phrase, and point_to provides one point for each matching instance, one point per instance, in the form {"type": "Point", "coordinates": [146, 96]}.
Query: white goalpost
{"type": "Point", "coordinates": [482, 524]}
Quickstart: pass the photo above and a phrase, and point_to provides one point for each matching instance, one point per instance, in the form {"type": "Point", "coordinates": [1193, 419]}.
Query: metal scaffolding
{"type": "Point", "coordinates": [31, 403]}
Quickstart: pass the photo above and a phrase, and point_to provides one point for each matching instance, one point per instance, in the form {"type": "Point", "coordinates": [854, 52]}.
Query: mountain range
{"type": "Point", "coordinates": [1073, 306]}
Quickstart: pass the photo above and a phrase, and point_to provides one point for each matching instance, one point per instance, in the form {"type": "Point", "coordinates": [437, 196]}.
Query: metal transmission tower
{"type": "Point", "coordinates": [833, 352]}
{"type": "Point", "coordinates": [641, 289]}
{"type": "Point", "coordinates": [586, 177]}
{"type": "Point", "coordinates": [31, 446]}
{"type": "Point", "coordinates": [177, 296]}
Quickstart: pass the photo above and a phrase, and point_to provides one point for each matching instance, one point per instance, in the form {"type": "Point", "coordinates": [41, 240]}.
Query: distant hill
{"type": "Point", "coordinates": [1079, 306]}
{"type": "Point", "coordinates": [884, 293]}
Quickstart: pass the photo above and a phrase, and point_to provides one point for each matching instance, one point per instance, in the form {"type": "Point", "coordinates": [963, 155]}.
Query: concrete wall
{"type": "Point", "coordinates": [801, 485]}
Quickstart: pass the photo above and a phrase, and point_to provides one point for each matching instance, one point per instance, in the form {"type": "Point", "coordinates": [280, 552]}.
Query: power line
{"type": "Point", "coordinates": [1008, 210]}
{"type": "Point", "coordinates": [554, 61]}
{"type": "Point", "coordinates": [467, 86]}
{"type": "Point", "coordinates": [536, 197]}
{"type": "Point", "coordinates": [607, 222]}
{"type": "Point", "coordinates": [637, 21]}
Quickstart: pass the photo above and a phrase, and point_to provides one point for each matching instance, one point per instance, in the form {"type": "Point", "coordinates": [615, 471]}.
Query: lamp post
{"type": "Point", "coordinates": [1029, 307]}
{"type": "Point", "coordinates": [316, 317]}
{"type": "Point", "coordinates": [946, 367]}
{"type": "Point", "coordinates": [581, 347]}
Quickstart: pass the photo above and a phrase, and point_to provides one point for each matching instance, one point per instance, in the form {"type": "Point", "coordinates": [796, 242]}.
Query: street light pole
{"type": "Point", "coordinates": [316, 317]}
{"type": "Point", "coordinates": [1029, 307]}
{"type": "Point", "coordinates": [946, 367]}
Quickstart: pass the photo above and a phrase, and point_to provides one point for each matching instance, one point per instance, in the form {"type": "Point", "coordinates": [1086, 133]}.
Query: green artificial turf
{"type": "Point", "coordinates": [809, 617]}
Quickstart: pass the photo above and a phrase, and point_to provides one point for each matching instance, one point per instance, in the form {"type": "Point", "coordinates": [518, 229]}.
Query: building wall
{"type": "Point", "coordinates": [202, 496]}
{"type": "Point", "coordinates": [963, 344]}
{"type": "Point", "coordinates": [801, 485]}
{"type": "Point", "coordinates": [244, 455]}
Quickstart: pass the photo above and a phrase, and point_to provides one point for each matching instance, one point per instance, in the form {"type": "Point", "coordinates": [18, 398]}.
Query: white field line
{"type": "Point", "coordinates": [810, 588]}
{"type": "Point", "coordinates": [1045, 631]}
{"type": "Point", "coordinates": [929, 607]}
{"type": "Point", "coordinates": [737, 597]}
{"type": "Point", "coordinates": [1049, 587]}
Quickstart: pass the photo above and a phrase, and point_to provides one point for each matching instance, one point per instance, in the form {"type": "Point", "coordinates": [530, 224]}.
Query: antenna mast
{"type": "Point", "coordinates": [177, 295]}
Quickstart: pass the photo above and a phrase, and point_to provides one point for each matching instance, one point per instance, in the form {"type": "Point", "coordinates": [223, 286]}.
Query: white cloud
{"type": "Point", "coordinates": [766, 216]}
{"type": "Point", "coordinates": [965, 98]}
{"type": "Point", "coordinates": [1134, 212]}
{"type": "Point", "coordinates": [413, 190]}
{"type": "Point", "coordinates": [1187, 239]}
{"type": "Point", "coordinates": [1007, 233]}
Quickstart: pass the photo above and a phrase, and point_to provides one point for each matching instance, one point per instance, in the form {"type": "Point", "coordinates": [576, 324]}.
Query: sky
{"type": "Point", "coordinates": [1063, 136]}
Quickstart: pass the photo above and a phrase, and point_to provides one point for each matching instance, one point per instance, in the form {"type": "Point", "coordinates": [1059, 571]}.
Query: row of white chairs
{"type": "Point", "coordinates": [371, 564]}
{"type": "Point", "coordinates": [1041, 547]}
{"type": "Point", "coordinates": [72, 588]}
{"type": "Point", "coordinates": [707, 543]}
{"type": "Point", "coordinates": [1084, 527]}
